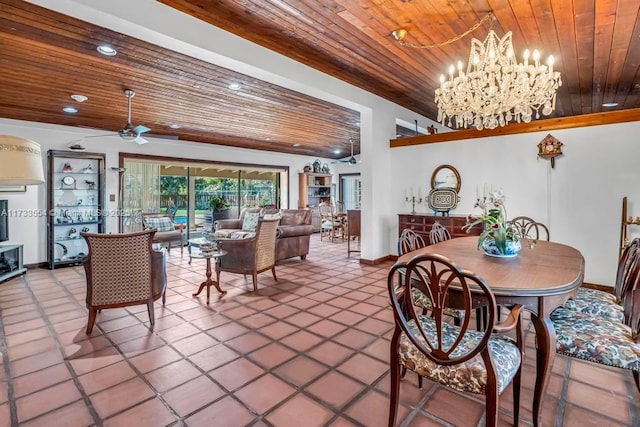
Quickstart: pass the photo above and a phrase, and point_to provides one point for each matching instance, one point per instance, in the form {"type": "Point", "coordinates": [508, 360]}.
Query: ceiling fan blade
{"type": "Point", "coordinates": [98, 136]}
{"type": "Point", "coordinates": [140, 140]}
{"type": "Point", "coordinates": [141, 129]}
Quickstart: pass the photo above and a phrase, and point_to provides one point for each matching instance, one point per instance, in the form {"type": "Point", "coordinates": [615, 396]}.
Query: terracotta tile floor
{"type": "Point", "coordinates": [310, 349]}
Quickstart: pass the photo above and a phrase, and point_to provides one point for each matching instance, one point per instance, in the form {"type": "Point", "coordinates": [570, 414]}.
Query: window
{"type": "Point", "coordinates": [186, 189]}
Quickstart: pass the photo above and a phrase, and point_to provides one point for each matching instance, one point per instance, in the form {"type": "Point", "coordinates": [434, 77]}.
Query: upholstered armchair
{"type": "Point", "coordinates": [167, 231]}
{"type": "Point", "coordinates": [251, 255]}
{"type": "Point", "coordinates": [294, 230]}
{"type": "Point", "coordinates": [123, 270]}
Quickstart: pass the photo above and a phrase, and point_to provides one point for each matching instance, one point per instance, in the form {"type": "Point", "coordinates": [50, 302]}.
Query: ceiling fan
{"type": "Point", "coordinates": [128, 133]}
{"type": "Point", "coordinates": [352, 160]}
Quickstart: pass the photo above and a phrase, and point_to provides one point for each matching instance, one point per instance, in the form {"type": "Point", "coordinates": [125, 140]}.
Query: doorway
{"type": "Point", "coordinates": [350, 190]}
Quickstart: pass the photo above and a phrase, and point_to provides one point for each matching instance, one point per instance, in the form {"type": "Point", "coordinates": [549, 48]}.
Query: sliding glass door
{"type": "Point", "coordinates": [189, 190]}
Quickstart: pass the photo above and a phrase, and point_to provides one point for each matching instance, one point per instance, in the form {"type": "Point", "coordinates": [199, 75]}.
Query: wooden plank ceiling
{"type": "Point", "coordinates": [47, 56]}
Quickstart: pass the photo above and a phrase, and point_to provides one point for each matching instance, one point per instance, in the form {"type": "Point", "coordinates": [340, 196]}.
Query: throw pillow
{"type": "Point", "coordinates": [250, 222]}
{"type": "Point", "coordinates": [272, 216]}
{"type": "Point", "coordinates": [160, 223]}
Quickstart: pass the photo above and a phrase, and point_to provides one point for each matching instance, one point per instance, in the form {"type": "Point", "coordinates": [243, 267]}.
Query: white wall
{"type": "Point", "coordinates": [580, 200]}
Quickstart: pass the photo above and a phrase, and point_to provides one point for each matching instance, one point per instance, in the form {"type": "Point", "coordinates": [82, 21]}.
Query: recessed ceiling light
{"type": "Point", "coordinates": [235, 86]}
{"type": "Point", "coordinates": [174, 126]}
{"type": "Point", "coordinates": [296, 145]}
{"type": "Point", "coordinates": [79, 98]}
{"type": "Point", "coordinates": [337, 151]}
{"type": "Point", "coordinates": [268, 138]}
{"type": "Point", "coordinates": [107, 50]}
{"type": "Point", "coordinates": [610, 104]}
{"type": "Point", "coordinates": [71, 110]}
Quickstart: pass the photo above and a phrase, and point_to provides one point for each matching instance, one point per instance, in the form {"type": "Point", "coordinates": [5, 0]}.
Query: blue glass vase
{"type": "Point", "coordinates": [511, 250]}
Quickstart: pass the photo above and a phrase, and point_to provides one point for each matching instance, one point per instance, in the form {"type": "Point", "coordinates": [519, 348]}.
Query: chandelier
{"type": "Point", "coordinates": [496, 89]}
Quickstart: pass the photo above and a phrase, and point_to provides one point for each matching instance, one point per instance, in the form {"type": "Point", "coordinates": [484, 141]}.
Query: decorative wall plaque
{"type": "Point", "coordinates": [442, 200]}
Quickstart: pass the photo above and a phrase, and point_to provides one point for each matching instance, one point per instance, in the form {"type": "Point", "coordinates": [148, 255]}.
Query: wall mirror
{"type": "Point", "coordinates": [446, 176]}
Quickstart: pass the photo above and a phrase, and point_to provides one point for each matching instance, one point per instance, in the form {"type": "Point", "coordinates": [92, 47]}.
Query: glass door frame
{"type": "Point", "coordinates": [188, 163]}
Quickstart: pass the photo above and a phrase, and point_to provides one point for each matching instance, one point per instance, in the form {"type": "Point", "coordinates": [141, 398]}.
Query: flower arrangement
{"type": "Point", "coordinates": [496, 227]}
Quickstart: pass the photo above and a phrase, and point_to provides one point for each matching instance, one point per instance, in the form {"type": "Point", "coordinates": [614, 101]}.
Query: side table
{"type": "Point", "coordinates": [208, 282]}
{"type": "Point", "coordinates": [195, 244]}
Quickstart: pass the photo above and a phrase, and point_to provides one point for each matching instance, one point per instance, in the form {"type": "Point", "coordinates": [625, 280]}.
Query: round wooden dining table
{"type": "Point", "coordinates": [540, 278]}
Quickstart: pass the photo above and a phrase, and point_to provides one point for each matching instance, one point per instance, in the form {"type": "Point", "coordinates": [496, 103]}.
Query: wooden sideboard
{"type": "Point", "coordinates": [422, 223]}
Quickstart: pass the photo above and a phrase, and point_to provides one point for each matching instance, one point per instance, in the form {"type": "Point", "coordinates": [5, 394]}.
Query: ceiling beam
{"type": "Point", "coordinates": [594, 119]}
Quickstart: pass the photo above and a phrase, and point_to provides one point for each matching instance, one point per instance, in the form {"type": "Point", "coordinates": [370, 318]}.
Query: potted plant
{"type": "Point", "coordinates": [220, 207]}
{"type": "Point", "coordinates": [500, 237]}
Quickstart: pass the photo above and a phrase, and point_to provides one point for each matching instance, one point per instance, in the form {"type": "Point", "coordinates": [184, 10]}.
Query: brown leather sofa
{"type": "Point", "coordinates": [294, 231]}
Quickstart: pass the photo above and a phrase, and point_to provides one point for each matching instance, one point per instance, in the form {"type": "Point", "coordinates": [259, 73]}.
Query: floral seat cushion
{"type": "Point", "coordinates": [596, 303]}
{"type": "Point", "coordinates": [470, 376]}
{"type": "Point", "coordinates": [595, 339]}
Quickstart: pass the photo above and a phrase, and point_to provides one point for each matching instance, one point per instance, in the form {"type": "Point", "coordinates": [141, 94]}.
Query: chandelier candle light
{"type": "Point", "coordinates": [496, 89]}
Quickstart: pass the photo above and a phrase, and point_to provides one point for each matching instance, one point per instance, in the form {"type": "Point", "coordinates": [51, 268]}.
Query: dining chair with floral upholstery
{"type": "Point", "coordinates": [599, 339]}
{"type": "Point", "coordinates": [605, 304]}
{"type": "Point", "coordinates": [475, 361]}
{"type": "Point", "coordinates": [410, 241]}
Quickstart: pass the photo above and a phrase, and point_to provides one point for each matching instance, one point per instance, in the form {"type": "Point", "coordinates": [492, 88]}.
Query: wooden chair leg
{"type": "Point", "coordinates": [92, 319]}
{"type": "Point", "coordinates": [273, 271]}
{"type": "Point", "coordinates": [636, 378]}
{"type": "Point", "coordinates": [516, 395]}
{"type": "Point", "coordinates": [419, 381]}
{"type": "Point", "coordinates": [491, 407]}
{"type": "Point", "coordinates": [255, 281]}
{"type": "Point", "coordinates": [152, 319]}
{"type": "Point", "coordinates": [394, 392]}
{"type": "Point", "coordinates": [181, 248]}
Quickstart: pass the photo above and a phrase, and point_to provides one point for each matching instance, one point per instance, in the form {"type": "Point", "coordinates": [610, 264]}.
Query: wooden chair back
{"type": "Point", "coordinates": [446, 286]}
{"type": "Point", "coordinates": [409, 241]}
{"type": "Point", "coordinates": [438, 233]}
{"type": "Point", "coordinates": [626, 263]}
{"type": "Point", "coordinates": [529, 228]}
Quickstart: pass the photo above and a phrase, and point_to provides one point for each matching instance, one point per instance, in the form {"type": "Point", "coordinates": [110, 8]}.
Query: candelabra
{"type": "Point", "coordinates": [413, 200]}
